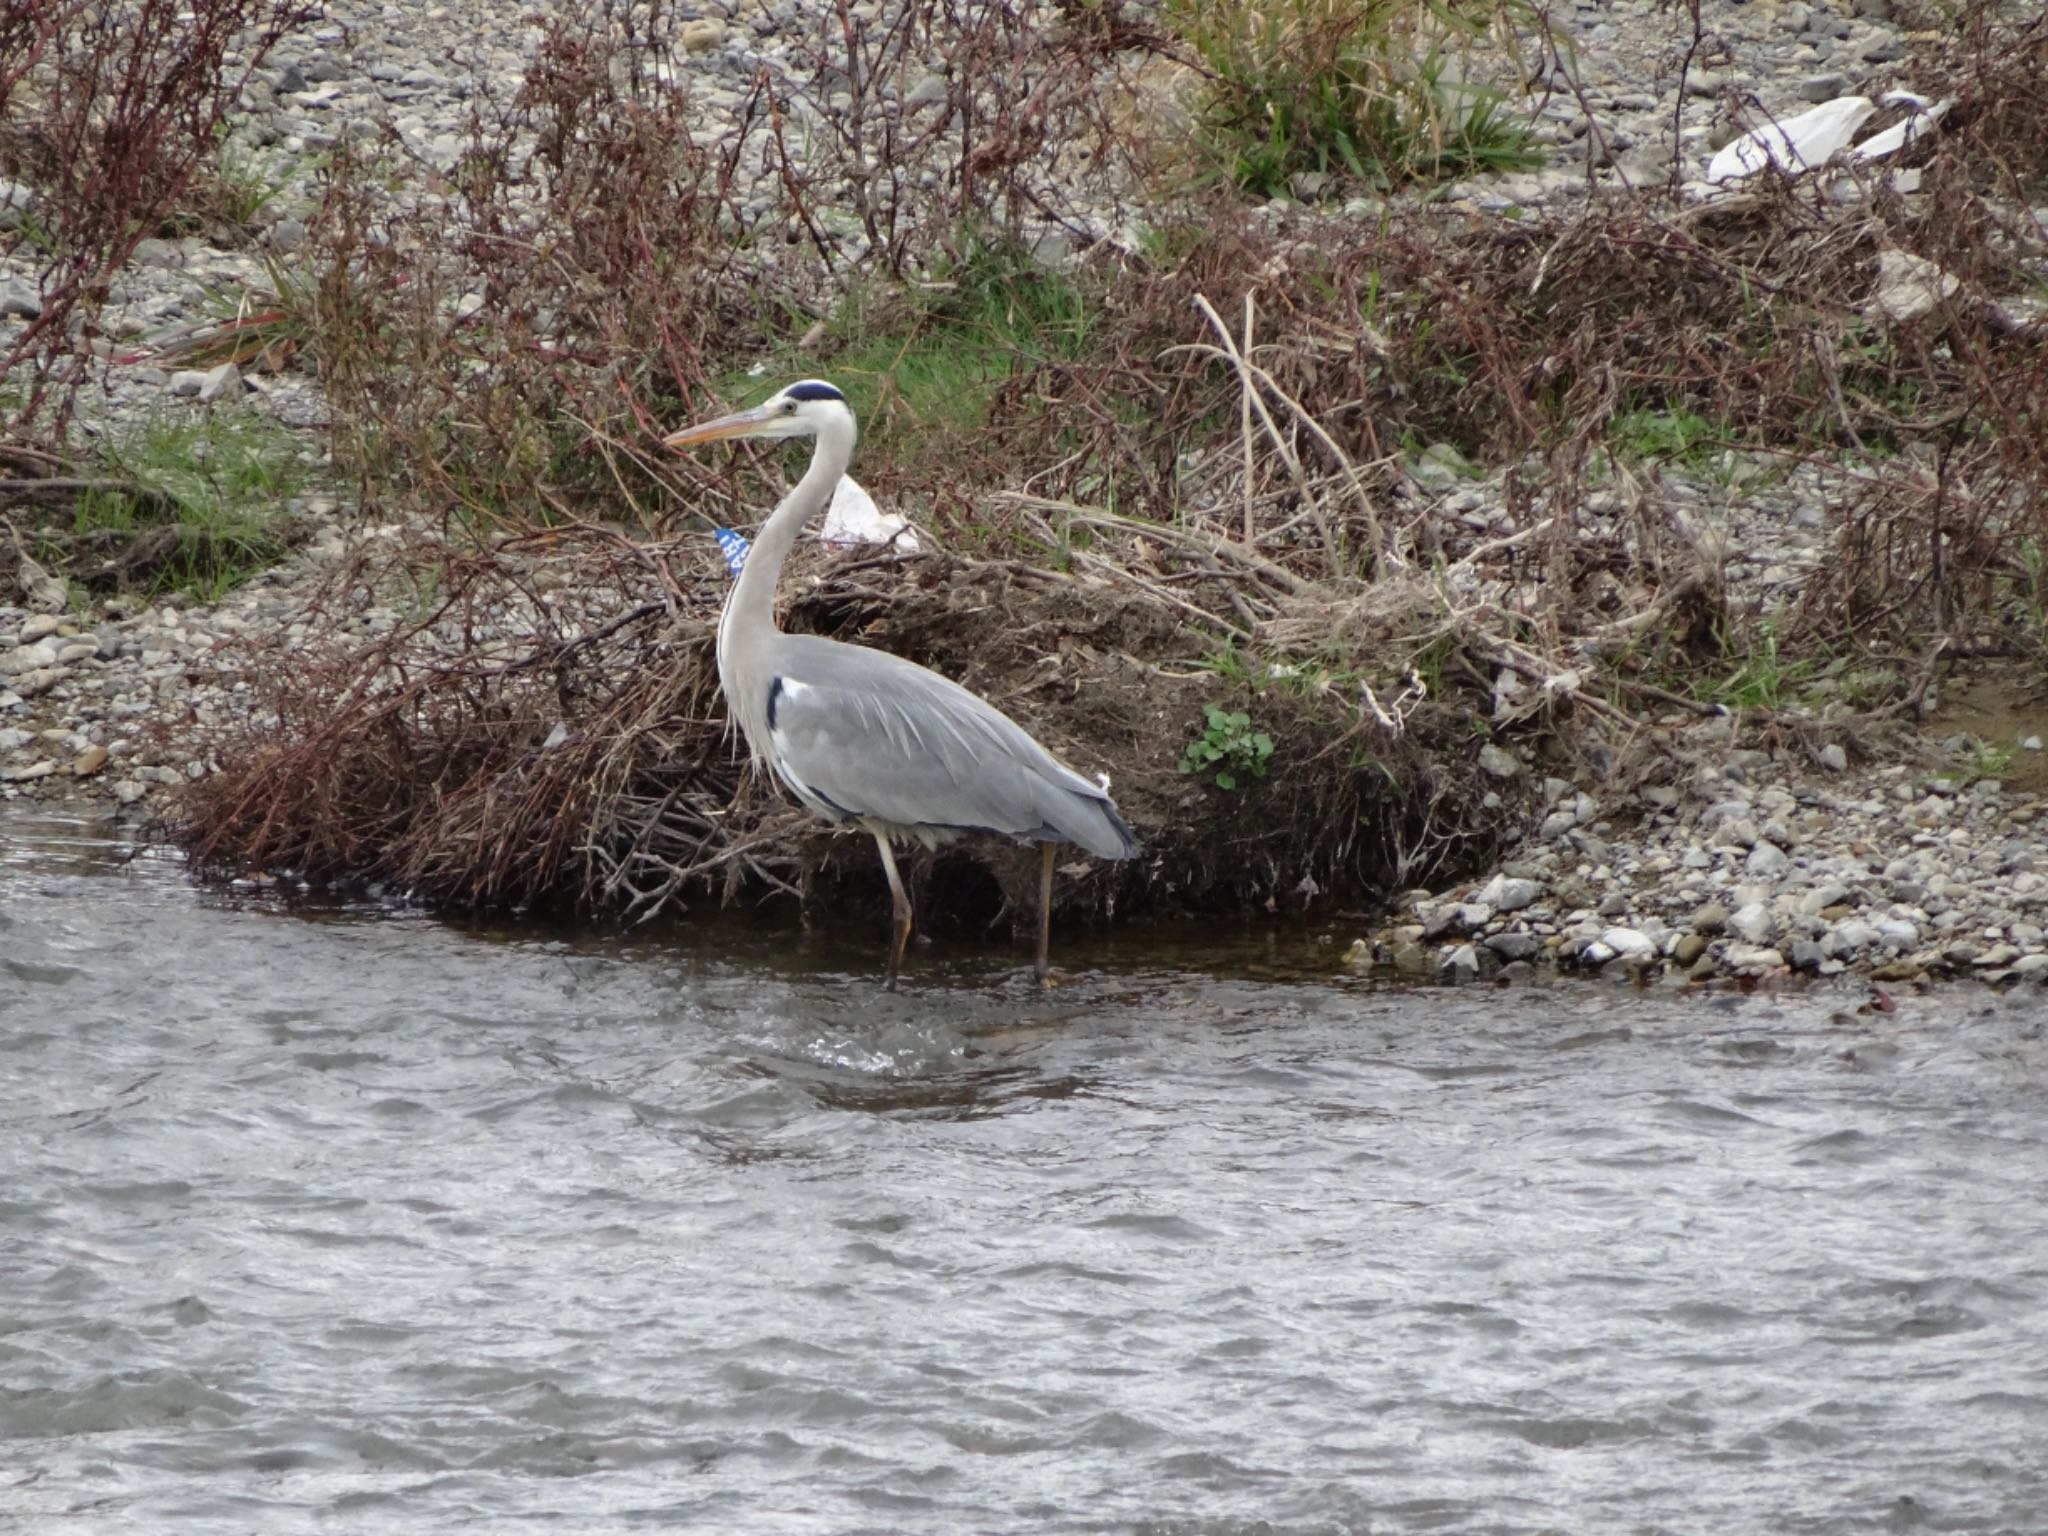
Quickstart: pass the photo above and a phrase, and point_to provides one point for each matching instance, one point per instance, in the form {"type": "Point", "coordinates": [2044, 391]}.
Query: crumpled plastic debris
{"type": "Point", "coordinates": [1814, 137]}
{"type": "Point", "coordinates": [853, 519]}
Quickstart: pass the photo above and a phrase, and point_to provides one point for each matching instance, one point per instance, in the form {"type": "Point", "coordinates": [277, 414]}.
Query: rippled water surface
{"type": "Point", "coordinates": [365, 1222]}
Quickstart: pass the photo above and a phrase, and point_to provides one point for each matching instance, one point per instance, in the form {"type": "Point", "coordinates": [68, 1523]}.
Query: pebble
{"type": "Point", "coordinates": [1499, 762]}
{"type": "Point", "coordinates": [17, 202]}
{"type": "Point", "coordinates": [1751, 922]}
{"type": "Point", "coordinates": [221, 383]}
{"type": "Point", "coordinates": [702, 36]}
{"type": "Point", "coordinates": [1504, 894]}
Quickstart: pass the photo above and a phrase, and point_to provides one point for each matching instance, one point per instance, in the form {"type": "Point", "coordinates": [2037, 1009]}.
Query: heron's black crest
{"type": "Point", "coordinates": [814, 389]}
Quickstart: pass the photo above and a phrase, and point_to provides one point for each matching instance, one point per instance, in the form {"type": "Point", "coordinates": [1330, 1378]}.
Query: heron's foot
{"type": "Point", "coordinates": [899, 940]}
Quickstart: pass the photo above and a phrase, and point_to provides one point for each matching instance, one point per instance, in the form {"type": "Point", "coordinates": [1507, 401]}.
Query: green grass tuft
{"type": "Point", "coordinates": [220, 480]}
{"type": "Point", "coordinates": [1302, 92]}
{"type": "Point", "coordinates": [921, 363]}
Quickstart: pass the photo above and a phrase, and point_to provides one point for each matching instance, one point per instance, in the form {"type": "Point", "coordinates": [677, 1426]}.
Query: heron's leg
{"type": "Point", "coordinates": [1044, 911]}
{"type": "Point", "coordinates": [901, 935]}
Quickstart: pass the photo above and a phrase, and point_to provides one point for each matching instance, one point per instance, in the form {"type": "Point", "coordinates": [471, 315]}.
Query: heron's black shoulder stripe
{"type": "Point", "coordinates": [813, 389]}
{"type": "Point", "coordinates": [774, 698]}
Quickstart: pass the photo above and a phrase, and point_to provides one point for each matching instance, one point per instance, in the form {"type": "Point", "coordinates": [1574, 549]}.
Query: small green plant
{"type": "Point", "coordinates": [248, 181]}
{"type": "Point", "coordinates": [257, 327]}
{"type": "Point", "coordinates": [1378, 91]}
{"type": "Point", "coordinates": [1990, 760]}
{"type": "Point", "coordinates": [1762, 678]}
{"type": "Point", "coordinates": [202, 492]}
{"type": "Point", "coordinates": [1681, 435]}
{"type": "Point", "coordinates": [1228, 746]}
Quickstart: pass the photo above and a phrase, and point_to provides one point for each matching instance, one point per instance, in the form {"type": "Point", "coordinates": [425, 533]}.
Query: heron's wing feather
{"type": "Point", "coordinates": [875, 736]}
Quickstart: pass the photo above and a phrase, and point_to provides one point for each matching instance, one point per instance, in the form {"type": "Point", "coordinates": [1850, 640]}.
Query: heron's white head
{"type": "Point", "coordinates": [807, 408]}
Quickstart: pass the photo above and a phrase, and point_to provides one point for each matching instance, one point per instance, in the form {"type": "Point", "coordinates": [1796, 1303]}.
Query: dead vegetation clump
{"type": "Point", "coordinates": [544, 729]}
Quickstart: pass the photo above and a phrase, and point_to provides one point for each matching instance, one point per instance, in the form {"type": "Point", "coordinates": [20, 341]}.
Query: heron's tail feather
{"type": "Point", "coordinates": [1092, 822]}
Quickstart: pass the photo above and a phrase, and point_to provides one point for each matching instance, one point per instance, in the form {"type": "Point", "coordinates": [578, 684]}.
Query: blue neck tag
{"type": "Point", "coordinates": [734, 547]}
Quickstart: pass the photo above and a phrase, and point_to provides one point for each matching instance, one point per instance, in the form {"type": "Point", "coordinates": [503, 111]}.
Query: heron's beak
{"type": "Point", "coordinates": [741, 424]}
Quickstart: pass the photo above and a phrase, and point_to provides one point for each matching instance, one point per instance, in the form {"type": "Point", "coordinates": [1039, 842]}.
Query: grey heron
{"type": "Point", "coordinates": [860, 736]}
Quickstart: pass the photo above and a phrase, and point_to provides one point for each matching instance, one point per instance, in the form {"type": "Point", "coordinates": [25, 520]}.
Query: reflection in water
{"type": "Point", "coordinates": [343, 1218]}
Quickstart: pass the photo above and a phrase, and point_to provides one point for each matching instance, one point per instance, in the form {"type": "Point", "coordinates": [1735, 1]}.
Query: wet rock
{"type": "Point", "coordinates": [1462, 964]}
{"type": "Point", "coordinates": [1711, 918]}
{"type": "Point", "coordinates": [1622, 946]}
{"type": "Point", "coordinates": [1515, 945]}
{"type": "Point", "coordinates": [1411, 960]}
{"type": "Point", "coordinates": [18, 299]}
{"type": "Point", "coordinates": [1753, 959]}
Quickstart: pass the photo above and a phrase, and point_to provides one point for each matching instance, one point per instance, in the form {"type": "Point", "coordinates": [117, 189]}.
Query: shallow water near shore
{"type": "Point", "coordinates": [356, 1220]}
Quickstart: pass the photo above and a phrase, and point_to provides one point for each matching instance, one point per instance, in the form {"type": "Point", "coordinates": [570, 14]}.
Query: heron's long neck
{"type": "Point", "coordinates": [750, 612]}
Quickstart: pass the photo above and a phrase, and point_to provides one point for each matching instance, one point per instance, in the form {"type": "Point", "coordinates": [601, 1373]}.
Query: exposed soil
{"type": "Point", "coordinates": [2004, 709]}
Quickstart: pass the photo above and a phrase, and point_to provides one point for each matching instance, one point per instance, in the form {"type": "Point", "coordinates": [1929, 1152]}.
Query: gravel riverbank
{"type": "Point", "coordinates": [1915, 852]}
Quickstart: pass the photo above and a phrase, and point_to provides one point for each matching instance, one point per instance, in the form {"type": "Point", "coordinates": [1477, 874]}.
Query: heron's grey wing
{"type": "Point", "coordinates": [874, 736]}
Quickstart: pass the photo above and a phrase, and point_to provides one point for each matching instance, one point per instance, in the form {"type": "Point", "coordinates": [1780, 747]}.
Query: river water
{"type": "Point", "coordinates": [355, 1220]}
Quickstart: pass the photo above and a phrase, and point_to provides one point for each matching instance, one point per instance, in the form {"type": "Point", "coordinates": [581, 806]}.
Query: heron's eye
{"type": "Point", "coordinates": [789, 407]}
